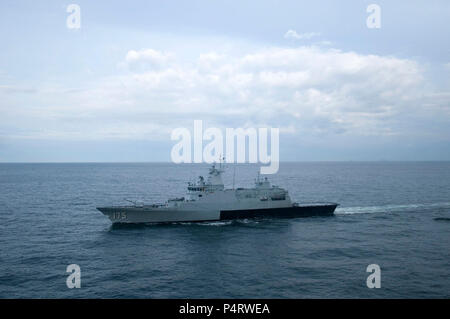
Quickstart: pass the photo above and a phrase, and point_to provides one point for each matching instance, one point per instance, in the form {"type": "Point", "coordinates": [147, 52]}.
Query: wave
{"type": "Point", "coordinates": [388, 208]}
{"type": "Point", "coordinates": [215, 223]}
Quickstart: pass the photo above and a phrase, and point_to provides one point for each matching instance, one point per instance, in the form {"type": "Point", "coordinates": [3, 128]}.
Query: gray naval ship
{"type": "Point", "coordinates": [210, 201]}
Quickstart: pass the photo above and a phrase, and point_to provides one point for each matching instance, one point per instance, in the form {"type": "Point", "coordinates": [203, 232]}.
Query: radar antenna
{"type": "Point", "coordinates": [131, 201]}
{"type": "Point", "coordinates": [234, 174]}
{"type": "Point", "coordinates": [221, 162]}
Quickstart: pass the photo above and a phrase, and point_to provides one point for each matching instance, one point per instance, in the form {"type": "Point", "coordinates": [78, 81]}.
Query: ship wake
{"type": "Point", "coordinates": [390, 208]}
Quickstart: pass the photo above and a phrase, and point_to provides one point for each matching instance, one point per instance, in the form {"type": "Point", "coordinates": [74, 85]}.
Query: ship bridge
{"type": "Point", "coordinates": [213, 183]}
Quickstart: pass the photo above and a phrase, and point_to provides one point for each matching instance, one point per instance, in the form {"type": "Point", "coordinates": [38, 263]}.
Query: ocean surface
{"type": "Point", "coordinates": [394, 214]}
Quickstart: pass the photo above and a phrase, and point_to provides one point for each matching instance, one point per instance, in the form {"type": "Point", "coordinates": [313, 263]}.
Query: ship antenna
{"type": "Point", "coordinates": [234, 174]}
{"type": "Point", "coordinates": [131, 201]}
{"type": "Point", "coordinates": [221, 160]}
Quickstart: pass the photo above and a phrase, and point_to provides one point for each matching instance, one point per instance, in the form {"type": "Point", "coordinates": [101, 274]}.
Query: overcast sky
{"type": "Point", "coordinates": [114, 89]}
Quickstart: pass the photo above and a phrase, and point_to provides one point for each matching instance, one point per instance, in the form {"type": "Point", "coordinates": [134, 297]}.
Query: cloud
{"type": "Point", "coordinates": [306, 91]}
{"type": "Point", "coordinates": [147, 59]}
{"type": "Point", "coordinates": [12, 89]}
{"type": "Point", "coordinates": [292, 34]}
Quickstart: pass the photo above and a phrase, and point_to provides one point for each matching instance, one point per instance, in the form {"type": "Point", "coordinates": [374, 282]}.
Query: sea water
{"type": "Point", "coordinates": [392, 214]}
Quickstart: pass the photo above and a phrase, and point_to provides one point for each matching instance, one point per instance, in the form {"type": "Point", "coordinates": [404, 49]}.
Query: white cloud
{"type": "Point", "coordinates": [292, 34]}
{"type": "Point", "coordinates": [16, 89]}
{"type": "Point", "coordinates": [305, 91]}
{"type": "Point", "coordinates": [147, 59]}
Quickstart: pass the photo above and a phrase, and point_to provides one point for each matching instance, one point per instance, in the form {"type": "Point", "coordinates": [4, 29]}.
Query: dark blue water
{"type": "Point", "coordinates": [396, 215]}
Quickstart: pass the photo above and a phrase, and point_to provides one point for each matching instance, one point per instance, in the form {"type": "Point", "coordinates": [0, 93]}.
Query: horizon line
{"type": "Point", "coordinates": [169, 162]}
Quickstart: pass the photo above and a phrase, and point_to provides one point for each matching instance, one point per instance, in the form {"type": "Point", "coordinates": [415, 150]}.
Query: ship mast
{"type": "Point", "coordinates": [221, 160]}
{"type": "Point", "coordinates": [234, 174]}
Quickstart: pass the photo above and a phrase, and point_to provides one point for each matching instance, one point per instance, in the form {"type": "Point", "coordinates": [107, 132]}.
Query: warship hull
{"type": "Point", "coordinates": [149, 214]}
{"type": "Point", "coordinates": [282, 212]}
